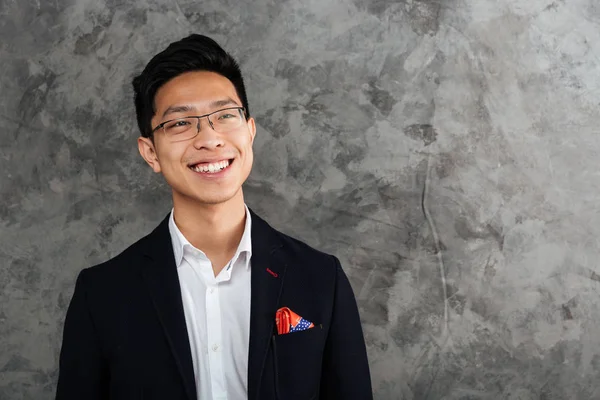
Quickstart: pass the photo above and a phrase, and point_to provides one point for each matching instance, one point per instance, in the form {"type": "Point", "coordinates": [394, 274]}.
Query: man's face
{"type": "Point", "coordinates": [189, 166]}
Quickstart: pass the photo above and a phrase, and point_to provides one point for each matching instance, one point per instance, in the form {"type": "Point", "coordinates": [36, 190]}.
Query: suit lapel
{"type": "Point", "coordinates": [268, 272]}
{"type": "Point", "coordinates": [162, 281]}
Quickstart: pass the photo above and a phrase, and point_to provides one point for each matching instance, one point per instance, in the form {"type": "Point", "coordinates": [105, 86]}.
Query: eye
{"type": "Point", "coordinates": [180, 123]}
{"type": "Point", "coordinates": [227, 116]}
{"type": "Point", "coordinates": [178, 126]}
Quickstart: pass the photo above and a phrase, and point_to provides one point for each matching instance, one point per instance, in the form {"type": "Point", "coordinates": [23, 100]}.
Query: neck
{"type": "Point", "coordinates": [216, 229]}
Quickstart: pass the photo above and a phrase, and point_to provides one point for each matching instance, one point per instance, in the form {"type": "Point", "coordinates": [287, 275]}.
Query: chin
{"type": "Point", "coordinates": [199, 195]}
{"type": "Point", "coordinates": [214, 198]}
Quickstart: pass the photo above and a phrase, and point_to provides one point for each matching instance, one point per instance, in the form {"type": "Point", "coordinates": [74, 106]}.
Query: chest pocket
{"type": "Point", "coordinates": [298, 357]}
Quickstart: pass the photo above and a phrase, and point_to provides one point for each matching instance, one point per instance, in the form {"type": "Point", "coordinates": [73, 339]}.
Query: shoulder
{"type": "Point", "coordinates": [296, 252]}
{"type": "Point", "coordinates": [128, 261]}
{"type": "Point", "coordinates": [117, 266]}
{"type": "Point", "coordinates": [300, 249]}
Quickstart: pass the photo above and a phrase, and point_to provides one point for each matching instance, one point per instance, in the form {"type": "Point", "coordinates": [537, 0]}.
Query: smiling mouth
{"type": "Point", "coordinates": [211, 168]}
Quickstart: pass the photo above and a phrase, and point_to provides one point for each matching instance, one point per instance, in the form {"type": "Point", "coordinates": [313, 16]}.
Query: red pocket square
{"type": "Point", "coordinates": [288, 321]}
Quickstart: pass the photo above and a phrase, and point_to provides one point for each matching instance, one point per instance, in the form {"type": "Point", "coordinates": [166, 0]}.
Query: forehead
{"type": "Point", "coordinates": [197, 88]}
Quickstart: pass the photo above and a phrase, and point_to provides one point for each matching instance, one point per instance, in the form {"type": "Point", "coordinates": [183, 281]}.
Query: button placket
{"type": "Point", "coordinates": [214, 334]}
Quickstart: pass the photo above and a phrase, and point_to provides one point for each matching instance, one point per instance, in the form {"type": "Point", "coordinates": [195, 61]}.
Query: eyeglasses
{"type": "Point", "coordinates": [221, 121]}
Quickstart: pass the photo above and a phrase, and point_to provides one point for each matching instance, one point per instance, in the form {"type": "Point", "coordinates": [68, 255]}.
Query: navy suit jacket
{"type": "Point", "coordinates": [125, 336]}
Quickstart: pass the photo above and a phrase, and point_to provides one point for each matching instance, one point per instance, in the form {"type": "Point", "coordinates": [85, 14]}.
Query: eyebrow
{"type": "Point", "coordinates": [187, 108]}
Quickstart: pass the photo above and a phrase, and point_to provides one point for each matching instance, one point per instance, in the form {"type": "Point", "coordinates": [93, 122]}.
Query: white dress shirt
{"type": "Point", "coordinates": [217, 315]}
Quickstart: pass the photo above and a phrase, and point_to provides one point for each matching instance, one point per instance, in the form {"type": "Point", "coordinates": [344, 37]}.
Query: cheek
{"type": "Point", "coordinates": [170, 153]}
{"type": "Point", "coordinates": [249, 161]}
{"type": "Point", "coordinates": [170, 160]}
{"type": "Point", "coordinates": [249, 154]}
{"type": "Point", "coordinates": [247, 144]}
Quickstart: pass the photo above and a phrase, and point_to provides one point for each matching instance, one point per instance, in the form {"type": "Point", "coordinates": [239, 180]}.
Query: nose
{"type": "Point", "coordinates": [207, 138]}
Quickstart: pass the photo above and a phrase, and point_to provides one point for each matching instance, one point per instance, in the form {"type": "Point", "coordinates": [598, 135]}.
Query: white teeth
{"type": "Point", "coordinates": [211, 168]}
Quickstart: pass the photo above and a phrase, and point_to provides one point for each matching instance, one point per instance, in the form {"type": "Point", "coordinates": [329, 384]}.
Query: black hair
{"type": "Point", "coordinates": [193, 53]}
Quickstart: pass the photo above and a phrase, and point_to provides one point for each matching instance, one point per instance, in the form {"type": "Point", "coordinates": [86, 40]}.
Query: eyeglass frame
{"type": "Point", "coordinates": [162, 124]}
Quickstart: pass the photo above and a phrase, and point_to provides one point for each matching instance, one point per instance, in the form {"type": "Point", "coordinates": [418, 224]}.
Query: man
{"type": "Point", "coordinates": [214, 303]}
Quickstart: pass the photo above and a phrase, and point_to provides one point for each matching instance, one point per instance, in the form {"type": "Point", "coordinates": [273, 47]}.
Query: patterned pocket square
{"type": "Point", "coordinates": [288, 321]}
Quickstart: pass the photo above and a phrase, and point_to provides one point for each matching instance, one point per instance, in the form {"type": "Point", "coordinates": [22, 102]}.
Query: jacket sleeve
{"type": "Point", "coordinates": [345, 371]}
{"type": "Point", "coordinates": [83, 373]}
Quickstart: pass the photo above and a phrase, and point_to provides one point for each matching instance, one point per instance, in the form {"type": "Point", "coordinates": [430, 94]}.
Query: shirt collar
{"type": "Point", "coordinates": [179, 242]}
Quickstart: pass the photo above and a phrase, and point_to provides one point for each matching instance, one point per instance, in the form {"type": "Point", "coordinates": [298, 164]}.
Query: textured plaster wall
{"type": "Point", "coordinates": [446, 151]}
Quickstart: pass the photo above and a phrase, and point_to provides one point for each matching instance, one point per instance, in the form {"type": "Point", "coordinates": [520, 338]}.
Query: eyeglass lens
{"type": "Point", "coordinates": [220, 121]}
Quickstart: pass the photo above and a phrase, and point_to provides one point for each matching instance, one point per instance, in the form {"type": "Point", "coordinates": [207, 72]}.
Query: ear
{"type": "Point", "coordinates": [252, 128]}
{"type": "Point", "coordinates": [148, 153]}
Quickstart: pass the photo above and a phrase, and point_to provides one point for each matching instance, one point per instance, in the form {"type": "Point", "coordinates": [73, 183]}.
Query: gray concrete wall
{"type": "Point", "coordinates": [446, 151]}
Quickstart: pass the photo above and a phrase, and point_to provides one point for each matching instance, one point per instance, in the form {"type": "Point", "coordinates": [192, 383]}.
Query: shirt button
{"type": "Point", "coordinates": [215, 347]}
